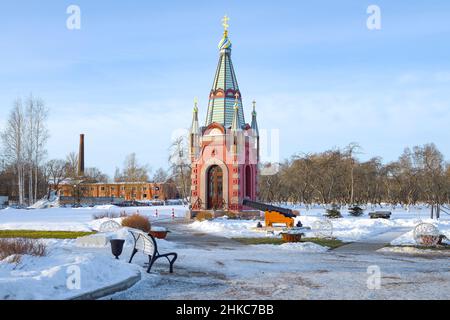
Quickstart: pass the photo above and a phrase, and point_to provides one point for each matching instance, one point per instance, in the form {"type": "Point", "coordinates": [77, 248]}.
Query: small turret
{"type": "Point", "coordinates": [255, 132]}
{"type": "Point", "coordinates": [254, 122]}
{"type": "Point", "coordinates": [236, 129]}
{"type": "Point", "coordinates": [194, 145]}
{"type": "Point", "coordinates": [235, 126]}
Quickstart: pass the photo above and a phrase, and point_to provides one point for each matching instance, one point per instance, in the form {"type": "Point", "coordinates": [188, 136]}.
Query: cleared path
{"type": "Point", "coordinates": [180, 233]}
{"type": "Point", "coordinates": [374, 243]}
{"type": "Point", "coordinates": [212, 267]}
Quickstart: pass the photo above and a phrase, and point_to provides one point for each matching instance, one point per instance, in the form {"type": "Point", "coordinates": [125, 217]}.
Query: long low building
{"type": "Point", "coordinates": [83, 190]}
{"type": "Point", "coordinates": [140, 191]}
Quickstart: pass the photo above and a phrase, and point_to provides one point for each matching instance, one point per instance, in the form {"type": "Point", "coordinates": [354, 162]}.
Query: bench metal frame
{"type": "Point", "coordinates": [146, 243]}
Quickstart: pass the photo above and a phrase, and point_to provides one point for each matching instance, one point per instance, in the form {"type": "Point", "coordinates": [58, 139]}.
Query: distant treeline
{"type": "Point", "coordinates": [336, 176]}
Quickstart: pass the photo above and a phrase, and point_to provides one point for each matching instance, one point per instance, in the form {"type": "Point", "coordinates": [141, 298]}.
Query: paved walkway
{"type": "Point", "coordinates": [212, 267]}
{"type": "Point", "coordinates": [180, 233]}
{"type": "Point", "coordinates": [373, 244]}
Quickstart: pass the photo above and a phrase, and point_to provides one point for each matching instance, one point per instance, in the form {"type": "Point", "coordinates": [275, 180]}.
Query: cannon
{"type": "Point", "coordinates": [273, 214]}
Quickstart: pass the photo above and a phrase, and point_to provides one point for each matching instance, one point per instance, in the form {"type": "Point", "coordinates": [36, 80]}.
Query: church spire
{"type": "Point", "coordinates": [225, 86]}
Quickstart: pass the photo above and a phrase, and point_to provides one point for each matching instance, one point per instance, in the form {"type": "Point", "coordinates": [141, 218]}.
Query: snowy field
{"type": "Point", "coordinates": [77, 219]}
{"type": "Point", "coordinates": [225, 269]}
{"type": "Point", "coordinates": [348, 228]}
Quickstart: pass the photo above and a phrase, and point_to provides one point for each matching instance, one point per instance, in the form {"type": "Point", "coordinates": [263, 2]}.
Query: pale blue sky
{"type": "Point", "coordinates": [127, 79]}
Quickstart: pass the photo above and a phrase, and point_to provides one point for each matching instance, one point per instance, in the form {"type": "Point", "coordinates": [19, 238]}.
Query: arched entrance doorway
{"type": "Point", "coordinates": [215, 188]}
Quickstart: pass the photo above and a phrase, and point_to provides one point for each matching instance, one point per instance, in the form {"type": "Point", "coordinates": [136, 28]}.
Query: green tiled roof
{"type": "Point", "coordinates": [221, 108]}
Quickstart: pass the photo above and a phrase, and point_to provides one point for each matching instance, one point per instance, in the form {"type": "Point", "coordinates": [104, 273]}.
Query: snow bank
{"type": "Point", "coordinates": [296, 247]}
{"type": "Point", "coordinates": [347, 229]}
{"type": "Point", "coordinates": [49, 277]}
{"type": "Point", "coordinates": [408, 238]}
{"type": "Point", "coordinates": [50, 202]}
{"type": "Point", "coordinates": [228, 228]}
{"type": "Point", "coordinates": [414, 251]}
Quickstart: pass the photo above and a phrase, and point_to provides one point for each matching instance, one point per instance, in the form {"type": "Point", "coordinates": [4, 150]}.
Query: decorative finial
{"type": "Point", "coordinates": [236, 101]}
{"type": "Point", "coordinates": [225, 43]}
{"type": "Point", "coordinates": [225, 25]}
{"type": "Point", "coordinates": [195, 104]}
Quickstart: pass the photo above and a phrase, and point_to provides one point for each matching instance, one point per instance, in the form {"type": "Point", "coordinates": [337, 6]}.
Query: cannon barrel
{"type": "Point", "coordinates": [267, 207]}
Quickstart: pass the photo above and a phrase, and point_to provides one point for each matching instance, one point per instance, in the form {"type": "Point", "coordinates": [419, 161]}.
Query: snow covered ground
{"type": "Point", "coordinates": [77, 219]}
{"type": "Point", "coordinates": [225, 269]}
{"type": "Point", "coordinates": [209, 268]}
{"type": "Point", "coordinates": [46, 277]}
{"type": "Point", "coordinates": [348, 228]}
{"type": "Point", "coordinates": [49, 277]}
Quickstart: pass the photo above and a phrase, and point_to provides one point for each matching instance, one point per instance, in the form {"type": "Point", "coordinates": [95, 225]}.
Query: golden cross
{"type": "Point", "coordinates": [225, 23]}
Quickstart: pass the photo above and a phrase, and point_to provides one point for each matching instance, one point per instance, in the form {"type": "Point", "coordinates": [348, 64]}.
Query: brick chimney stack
{"type": "Point", "coordinates": [81, 157]}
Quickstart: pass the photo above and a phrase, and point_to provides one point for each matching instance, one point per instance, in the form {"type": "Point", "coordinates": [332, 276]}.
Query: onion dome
{"type": "Point", "coordinates": [225, 43]}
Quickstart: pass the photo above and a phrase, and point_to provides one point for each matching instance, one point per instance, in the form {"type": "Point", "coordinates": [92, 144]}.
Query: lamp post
{"type": "Point", "coordinates": [74, 192]}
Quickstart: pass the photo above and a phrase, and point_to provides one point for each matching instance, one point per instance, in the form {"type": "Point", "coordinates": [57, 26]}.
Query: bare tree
{"type": "Point", "coordinates": [72, 165]}
{"type": "Point", "coordinates": [13, 138]}
{"type": "Point", "coordinates": [133, 171]}
{"type": "Point", "coordinates": [431, 162]}
{"type": "Point", "coordinates": [335, 176]}
{"type": "Point", "coordinates": [41, 136]}
{"type": "Point", "coordinates": [160, 175]}
{"type": "Point", "coordinates": [95, 175]}
{"type": "Point", "coordinates": [56, 172]}
{"type": "Point", "coordinates": [270, 186]}
{"type": "Point", "coordinates": [118, 175]}
{"type": "Point", "coordinates": [36, 137]}
{"type": "Point", "coordinates": [352, 149]}
{"type": "Point", "coordinates": [180, 164]}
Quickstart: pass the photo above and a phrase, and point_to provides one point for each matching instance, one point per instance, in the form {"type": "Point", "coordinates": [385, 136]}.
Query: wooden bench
{"type": "Point", "coordinates": [147, 244]}
{"type": "Point", "coordinates": [380, 215]}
